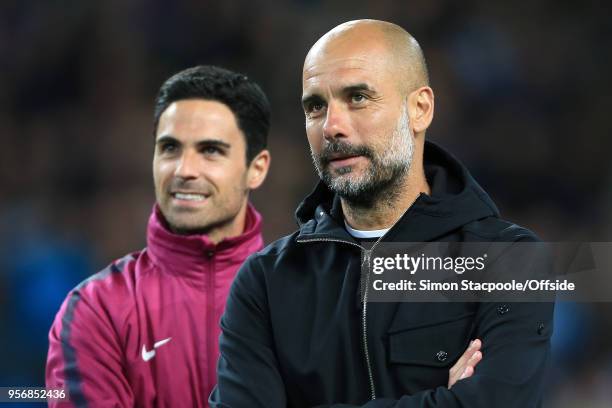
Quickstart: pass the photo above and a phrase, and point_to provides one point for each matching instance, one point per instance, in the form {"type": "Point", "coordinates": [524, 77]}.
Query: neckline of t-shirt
{"type": "Point", "coordinates": [365, 234]}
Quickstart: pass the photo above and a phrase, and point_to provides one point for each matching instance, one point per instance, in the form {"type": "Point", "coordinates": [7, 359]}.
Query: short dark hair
{"type": "Point", "coordinates": [244, 97]}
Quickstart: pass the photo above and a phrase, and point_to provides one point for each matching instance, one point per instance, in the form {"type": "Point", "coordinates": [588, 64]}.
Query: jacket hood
{"type": "Point", "coordinates": [456, 199]}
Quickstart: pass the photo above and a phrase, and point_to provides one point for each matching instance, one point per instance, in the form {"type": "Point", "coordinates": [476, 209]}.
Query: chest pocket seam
{"type": "Point", "coordinates": [434, 345]}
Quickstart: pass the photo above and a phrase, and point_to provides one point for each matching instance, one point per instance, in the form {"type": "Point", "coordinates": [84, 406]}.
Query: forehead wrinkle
{"type": "Point", "coordinates": [358, 63]}
{"type": "Point", "coordinates": [334, 62]}
{"type": "Point", "coordinates": [336, 88]}
{"type": "Point", "coordinates": [340, 80]}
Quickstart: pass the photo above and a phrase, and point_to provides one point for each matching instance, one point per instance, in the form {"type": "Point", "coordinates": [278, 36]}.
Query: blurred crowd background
{"type": "Point", "coordinates": [521, 98]}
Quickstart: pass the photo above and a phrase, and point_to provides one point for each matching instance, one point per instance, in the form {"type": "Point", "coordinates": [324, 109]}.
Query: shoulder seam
{"type": "Point", "coordinates": [116, 266]}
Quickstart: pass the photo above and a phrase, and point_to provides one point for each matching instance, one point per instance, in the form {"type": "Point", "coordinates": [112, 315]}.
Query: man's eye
{"type": "Point", "coordinates": [358, 98]}
{"type": "Point", "coordinates": [168, 147]}
{"type": "Point", "coordinates": [211, 150]}
{"type": "Point", "coordinates": [314, 107]}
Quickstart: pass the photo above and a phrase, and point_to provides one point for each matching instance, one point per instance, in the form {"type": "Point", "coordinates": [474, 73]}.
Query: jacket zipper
{"type": "Point", "coordinates": [210, 317]}
{"type": "Point", "coordinates": [364, 325]}
{"type": "Point", "coordinates": [368, 256]}
{"type": "Point", "coordinates": [364, 313]}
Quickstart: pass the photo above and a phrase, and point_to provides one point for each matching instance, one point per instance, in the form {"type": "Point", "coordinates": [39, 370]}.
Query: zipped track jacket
{"type": "Point", "coordinates": [144, 331]}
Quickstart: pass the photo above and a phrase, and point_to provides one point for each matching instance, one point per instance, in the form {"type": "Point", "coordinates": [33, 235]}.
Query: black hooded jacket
{"type": "Point", "coordinates": [295, 333]}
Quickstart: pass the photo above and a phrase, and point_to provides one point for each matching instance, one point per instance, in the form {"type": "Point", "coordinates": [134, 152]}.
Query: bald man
{"type": "Point", "coordinates": [299, 331]}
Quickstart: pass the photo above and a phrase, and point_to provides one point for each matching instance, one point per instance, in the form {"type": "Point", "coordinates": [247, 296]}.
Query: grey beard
{"type": "Point", "coordinates": [364, 193]}
{"type": "Point", "coordinates": [382, 177]}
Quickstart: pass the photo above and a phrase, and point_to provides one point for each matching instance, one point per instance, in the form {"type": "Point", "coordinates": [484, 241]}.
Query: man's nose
{"type": "Point", "coordinates": [336, 122]}
{"type": "Point", "coordinates": [187, 166]}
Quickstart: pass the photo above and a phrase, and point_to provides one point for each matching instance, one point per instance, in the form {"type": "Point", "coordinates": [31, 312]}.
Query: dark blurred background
{"type": "Point", "coordinates": [521, 97]}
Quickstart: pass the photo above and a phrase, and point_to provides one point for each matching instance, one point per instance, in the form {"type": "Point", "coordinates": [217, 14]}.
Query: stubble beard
{"type": "Point", "coordinates": [219, 215]}
{"type": "Point", "coordinates": [383, 176]}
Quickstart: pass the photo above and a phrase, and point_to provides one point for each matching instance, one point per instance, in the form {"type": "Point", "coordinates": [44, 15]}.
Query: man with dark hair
{"type": "Point", "coordinates": [298, 329]}
{"type": "Point", "coordinates": [144, 331]}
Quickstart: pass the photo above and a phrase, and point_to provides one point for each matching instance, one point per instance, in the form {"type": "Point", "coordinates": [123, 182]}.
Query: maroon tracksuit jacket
{"type": "Point", "coordinates": [144, 331]}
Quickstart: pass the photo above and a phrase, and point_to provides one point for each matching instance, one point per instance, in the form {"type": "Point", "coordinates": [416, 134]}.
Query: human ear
{"type": "Point", "coordinates": [421, 108]}
{"type": "Point", "coordinates": [258, 169]}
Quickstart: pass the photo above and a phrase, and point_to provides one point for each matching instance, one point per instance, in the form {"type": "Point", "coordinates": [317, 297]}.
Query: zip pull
{"type": "Point", "coordinates": [367, 258]}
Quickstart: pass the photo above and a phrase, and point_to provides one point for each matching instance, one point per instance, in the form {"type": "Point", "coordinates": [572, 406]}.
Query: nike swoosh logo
{"type": "Point", "coordinates": [149, 354]}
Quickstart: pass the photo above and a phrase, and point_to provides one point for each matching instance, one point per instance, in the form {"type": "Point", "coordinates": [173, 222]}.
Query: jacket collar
{"type": "Point", "coordinates": [189, 252]}
{"type": "Point", "coordinates": [456, 200]}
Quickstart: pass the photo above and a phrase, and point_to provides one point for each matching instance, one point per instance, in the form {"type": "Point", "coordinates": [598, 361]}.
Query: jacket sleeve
{"type": "Point", "coordinates": [247, 372]}
{"type": "Point", "coordinates": [516, 347]}
{"type": "Point", "coordinates": [85, 357]}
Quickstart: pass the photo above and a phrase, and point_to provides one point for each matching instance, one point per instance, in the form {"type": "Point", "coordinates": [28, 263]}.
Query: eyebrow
{"type": "Point", "coordinates": [200, 143]}
{"type": "Point", "coordinates": [165, 139]}
{"type": "Point", "coordinates": [345, 90]}
{"type": "Point", "coordinates": [357, 87]}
